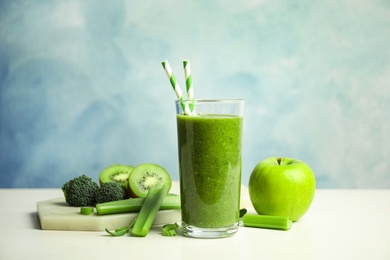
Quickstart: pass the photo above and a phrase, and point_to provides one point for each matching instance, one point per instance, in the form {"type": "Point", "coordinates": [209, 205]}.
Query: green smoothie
{"type": "Point", "coordinates": [210, 169]}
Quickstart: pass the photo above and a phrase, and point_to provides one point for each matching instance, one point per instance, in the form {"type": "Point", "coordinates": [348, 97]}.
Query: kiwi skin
{"type": "Point", "coordinates": [118, 173]}
{"type": "Point", "coordinates": [154, 174]}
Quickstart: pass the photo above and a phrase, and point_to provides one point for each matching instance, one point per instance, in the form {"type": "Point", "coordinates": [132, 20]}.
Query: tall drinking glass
{"type": "Point", "coordinates": [209, 145]}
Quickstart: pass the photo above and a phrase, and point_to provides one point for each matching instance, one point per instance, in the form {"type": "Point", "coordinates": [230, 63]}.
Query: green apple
{"type": "Point", "coordinates": [282, 187]}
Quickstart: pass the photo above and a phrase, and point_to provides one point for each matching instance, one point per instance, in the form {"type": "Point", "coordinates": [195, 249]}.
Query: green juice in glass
{"type": "Point", "coordinates": [210, 170]}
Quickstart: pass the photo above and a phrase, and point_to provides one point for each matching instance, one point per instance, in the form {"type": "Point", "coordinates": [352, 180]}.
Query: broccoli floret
{"type": "Point", "coordinates": [80, 191]}
{"type": "Point", "coordinates": [110, 191]}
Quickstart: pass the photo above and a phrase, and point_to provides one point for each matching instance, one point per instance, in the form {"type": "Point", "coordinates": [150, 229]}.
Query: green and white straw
{"type": "Point", "coordinates": [189, 88]}
{"type": "Point", "coordinates": [176, 87]}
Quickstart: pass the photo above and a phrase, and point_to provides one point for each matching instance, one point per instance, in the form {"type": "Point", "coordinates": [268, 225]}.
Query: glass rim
{"type": "Point", "coordinates": [221, 100]}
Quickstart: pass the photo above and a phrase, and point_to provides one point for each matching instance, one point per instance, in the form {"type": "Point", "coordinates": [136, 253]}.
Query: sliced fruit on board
{"type": "Point", "coordinates": [55, 214]}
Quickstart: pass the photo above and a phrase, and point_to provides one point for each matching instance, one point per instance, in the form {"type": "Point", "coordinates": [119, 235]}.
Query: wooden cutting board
{"type": "Point", "coordinates": [55, 214]}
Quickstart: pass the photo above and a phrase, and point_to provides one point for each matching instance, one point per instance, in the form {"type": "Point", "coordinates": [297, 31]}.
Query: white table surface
{"type": "Point", "coordinates": [341, 224]}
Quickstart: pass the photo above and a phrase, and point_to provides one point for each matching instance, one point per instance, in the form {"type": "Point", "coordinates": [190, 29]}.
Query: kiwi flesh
{"type": "Point", "coordinates": [118, 173]}
{"type": "Point", "coordinates": [145, 176]}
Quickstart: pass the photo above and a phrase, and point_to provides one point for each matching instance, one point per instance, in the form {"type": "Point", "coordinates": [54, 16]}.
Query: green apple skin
{"type": "Point", "coordinates": [285, 189]}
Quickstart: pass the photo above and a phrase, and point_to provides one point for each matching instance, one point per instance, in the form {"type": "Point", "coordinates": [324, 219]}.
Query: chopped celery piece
{"type": "Point", "coordinates": [171, 201]}
{"type": "Point", "coordinates": [86, 210]}
{"type": "Point", "coordinates": [266, 221]}
{"type": "Point", "coordinates": [170, 230]}
{"type": "Point", "coordinates": [149, 211]}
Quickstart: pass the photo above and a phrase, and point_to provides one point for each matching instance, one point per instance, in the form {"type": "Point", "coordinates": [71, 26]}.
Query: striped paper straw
{"type": "Point", "coordinates": [189, 88]}
{"type": "Point", "coordinates": [175, 86]}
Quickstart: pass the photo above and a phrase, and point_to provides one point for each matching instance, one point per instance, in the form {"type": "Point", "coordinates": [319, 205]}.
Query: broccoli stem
{"type": "Point", "coordinates": [149, 211]}
{"type": "Point", "coordinates": [170, 201]}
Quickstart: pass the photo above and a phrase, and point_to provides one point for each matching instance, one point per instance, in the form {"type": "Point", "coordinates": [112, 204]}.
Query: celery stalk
{"type": "Point", "coordinates": [149, 211]}
{"type": "Point", "coordinates": [266, 221]}
{"type": "Point", "coordinates": [170, 201]}
{"type": "Point", "coordinates": [86, 210]}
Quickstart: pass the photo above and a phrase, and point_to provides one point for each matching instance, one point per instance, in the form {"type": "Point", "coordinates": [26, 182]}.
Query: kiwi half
{"type": "Point", "coordinates": [145, 176]}
{"type": "Point", "coordinates": [116, 173]}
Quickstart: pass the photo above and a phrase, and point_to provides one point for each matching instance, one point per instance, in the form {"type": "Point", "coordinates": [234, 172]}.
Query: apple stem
{"type": "Point", "coordinates": [279, 160]}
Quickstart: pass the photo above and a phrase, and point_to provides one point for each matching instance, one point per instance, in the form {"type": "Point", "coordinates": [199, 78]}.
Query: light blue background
{"type": "Point", "coordinates": [82, 86]}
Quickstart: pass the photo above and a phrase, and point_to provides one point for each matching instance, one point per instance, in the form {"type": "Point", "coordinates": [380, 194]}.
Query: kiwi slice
{"type": "Point", "coordinates": [145, 176]}
{"type": "Point", "coordinates": [116, 173]}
